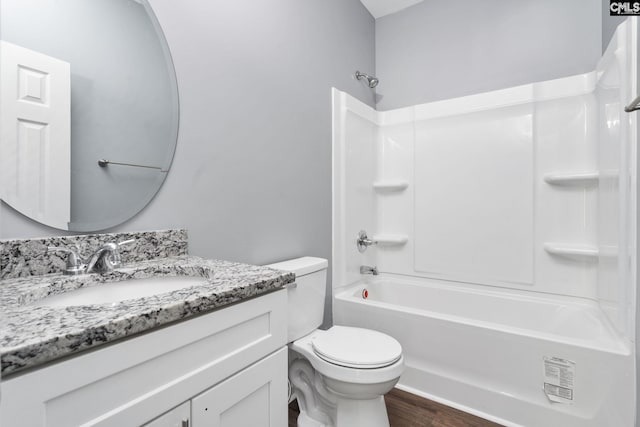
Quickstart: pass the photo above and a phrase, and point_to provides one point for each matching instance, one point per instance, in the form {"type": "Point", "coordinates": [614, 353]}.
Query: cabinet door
{"type": "Point", "coordinates": [177, 417]}
{"type": "Point", "coordinates": [254, 397]}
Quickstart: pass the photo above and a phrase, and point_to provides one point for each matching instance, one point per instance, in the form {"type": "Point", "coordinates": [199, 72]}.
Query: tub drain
{"type": "Point", "coordinates": [365, 294]}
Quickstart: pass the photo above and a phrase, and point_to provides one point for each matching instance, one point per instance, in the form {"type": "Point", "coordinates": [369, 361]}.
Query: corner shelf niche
{"type": "Point", "coordinates": [582, 179]}
{"type": "Point", "coordinates": [391, 239]}
{"type": "Point", "coordinates": [563, 249]}
{"type": "Point", "coordinates": [390, 186]}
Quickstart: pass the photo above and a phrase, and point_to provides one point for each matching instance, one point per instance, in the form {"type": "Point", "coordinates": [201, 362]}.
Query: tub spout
{"type": "Point", "coordinates": [365, 269]}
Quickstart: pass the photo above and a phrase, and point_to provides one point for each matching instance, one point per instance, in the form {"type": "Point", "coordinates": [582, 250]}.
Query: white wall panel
{"type": "Point", "coordinates": [474, 197]}
{"type": "Point", "coordinates": [395, 211]}
{"type": "Point", "coordinates": [477, 207]}
{"type": "Point", "coordinates": [618, 180]}
{"type": "Point", "coordinates": [354, 168]}
{"type": "Point", "coordinates": [566, 142]}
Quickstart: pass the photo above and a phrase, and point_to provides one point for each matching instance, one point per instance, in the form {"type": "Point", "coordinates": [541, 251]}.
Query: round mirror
{"type": "Point", "coordinates": [88, 110]}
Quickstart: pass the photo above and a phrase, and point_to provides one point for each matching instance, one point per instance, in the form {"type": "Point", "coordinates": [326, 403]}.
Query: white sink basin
{"type": "Point", "coordinates": [119, 291]}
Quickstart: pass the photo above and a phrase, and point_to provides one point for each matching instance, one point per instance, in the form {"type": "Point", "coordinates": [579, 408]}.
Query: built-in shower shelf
{"type": "Point", "coordinates": [572, 250]}
{"type": "Point", "coordinates": [391, 239]}
{"type": "Point", "coordinates": [390, 186]}
{"type": "Point", "coordinates": [574, 178]}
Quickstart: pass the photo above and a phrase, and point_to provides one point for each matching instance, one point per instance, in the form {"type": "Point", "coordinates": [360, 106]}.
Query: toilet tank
{"type": "Point", "coordinates": [306, 298]}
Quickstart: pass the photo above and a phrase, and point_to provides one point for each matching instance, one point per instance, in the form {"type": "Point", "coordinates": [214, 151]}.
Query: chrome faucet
{"type": "Point", "coordinates": [365, 269]}
{"type": "Point", "coordinates": [105, 259]}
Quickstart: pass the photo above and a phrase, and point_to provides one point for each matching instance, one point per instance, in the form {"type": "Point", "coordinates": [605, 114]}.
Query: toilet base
{"type": "Point", "coordinates": [326, 402]}
{"type": "Point", "coordinates": [350, 413]}
{"type": "Point", "coordinates": [370, 413]}
{"type": "Point", "coordinates": [305, 421]}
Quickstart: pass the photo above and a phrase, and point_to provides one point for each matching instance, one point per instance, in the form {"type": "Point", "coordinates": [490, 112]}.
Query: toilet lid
{"type": "Point", "coordinates": [357, 347]}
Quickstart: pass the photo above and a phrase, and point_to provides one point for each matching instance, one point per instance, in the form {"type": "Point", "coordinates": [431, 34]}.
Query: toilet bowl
{"type": "Point", "coordinates": [355, 391]}
{"type": "Point", "coordinates": [339, 375]}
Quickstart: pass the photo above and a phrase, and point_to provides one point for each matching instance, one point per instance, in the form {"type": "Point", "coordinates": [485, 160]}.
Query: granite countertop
{"type": "Point", "coordinates": [32, 335]}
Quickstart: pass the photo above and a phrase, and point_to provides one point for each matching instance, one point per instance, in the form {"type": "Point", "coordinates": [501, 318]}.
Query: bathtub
{"type": "Point", "coordinates": [483, 350]}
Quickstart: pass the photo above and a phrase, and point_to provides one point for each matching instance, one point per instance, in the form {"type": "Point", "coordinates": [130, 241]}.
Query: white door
{"type": "Point", "coordinates": [35, 134]}
{"type": "Point", "coordinates": [254, 397]}
{"type": "Point", "coordinates": [177, 417]}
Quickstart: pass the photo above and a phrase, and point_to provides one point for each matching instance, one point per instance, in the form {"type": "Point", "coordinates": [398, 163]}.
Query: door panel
{"type": "Point", "coordinates": [35, 143]}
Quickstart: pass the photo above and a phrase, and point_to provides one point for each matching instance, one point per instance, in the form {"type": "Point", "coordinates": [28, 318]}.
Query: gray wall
{"type": "Point", "coordinates": [609, 24]}
{"type": "Point", "coordinates": [121, 97]}
{"type": "Point", "coordinates": [251, 178]}
{"type": "Point", "coordinates": [444, 49]}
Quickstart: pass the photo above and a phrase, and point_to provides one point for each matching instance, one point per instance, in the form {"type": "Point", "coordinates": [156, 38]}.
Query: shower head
{"type": "Point", "coordinates": [372, 81]}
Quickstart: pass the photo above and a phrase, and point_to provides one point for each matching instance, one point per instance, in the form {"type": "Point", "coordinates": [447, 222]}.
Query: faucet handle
{"type": "Point", "coordinates": [116, 259]}
{"type": "Point", "coordinates": [75, 264]}
{"type": "Point", "coordinates": [112, 259]}
{"type": "Point", "coordinates": [126, 242]}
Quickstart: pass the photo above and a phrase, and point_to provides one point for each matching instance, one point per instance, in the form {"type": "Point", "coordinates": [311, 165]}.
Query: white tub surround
{"type": "Point", "coordinates": [490, 189]}
{"type": "Point", "coordinates": [515, 210]}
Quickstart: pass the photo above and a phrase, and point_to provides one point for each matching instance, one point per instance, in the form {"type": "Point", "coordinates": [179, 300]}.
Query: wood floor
{"type": "Point", "coordinates": [408, 410]}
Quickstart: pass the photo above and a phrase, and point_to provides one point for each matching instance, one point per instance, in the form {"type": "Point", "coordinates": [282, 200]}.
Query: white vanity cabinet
{"type": "Point", "coordinates": [229, 366]}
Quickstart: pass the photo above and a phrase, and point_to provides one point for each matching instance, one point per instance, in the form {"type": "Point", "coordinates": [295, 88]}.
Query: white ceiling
{"type": "Point", "coordinates": [380, 8]}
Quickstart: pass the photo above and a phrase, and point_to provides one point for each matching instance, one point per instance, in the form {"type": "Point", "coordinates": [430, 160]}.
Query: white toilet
{"type": "Point", "coordinates": [340, 375]}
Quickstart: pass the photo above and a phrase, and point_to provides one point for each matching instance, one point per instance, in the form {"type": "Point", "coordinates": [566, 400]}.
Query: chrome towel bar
{"type": "Point", "coordinates": [103, 163]}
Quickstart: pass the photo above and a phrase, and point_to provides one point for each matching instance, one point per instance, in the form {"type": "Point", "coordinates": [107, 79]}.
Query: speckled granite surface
{"type": "Point", "coordinates": [30, 257]}
{"type": "Point", "coordinates": [32, 335]}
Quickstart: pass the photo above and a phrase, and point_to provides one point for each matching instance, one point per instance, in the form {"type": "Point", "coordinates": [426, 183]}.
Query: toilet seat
{"type": "Point", "coordinates": [357, 348]}
{"type": "Point", "coordinates": [304, 346]}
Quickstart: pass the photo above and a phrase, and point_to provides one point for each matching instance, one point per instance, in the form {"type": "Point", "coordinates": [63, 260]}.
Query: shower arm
{"type": "Point", "coordinates": [371, 80]}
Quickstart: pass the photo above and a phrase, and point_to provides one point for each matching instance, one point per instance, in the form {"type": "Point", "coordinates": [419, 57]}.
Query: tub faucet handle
{"type": "Point", "coordinates": [364, 242]}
